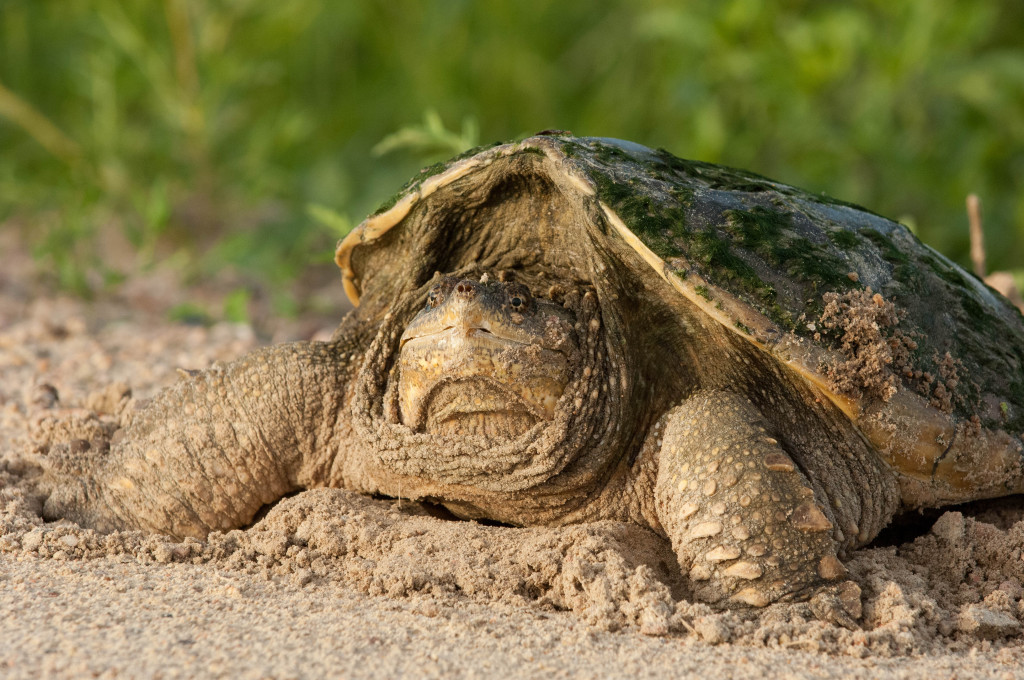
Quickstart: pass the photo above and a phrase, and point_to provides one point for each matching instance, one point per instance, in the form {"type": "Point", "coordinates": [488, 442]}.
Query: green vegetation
{"type": "Point", "coordinates": [770, 234]}
{"type": "Point", "coordinates": [250, 134]}
{"type": "Point", "coordinates": [844, 239]}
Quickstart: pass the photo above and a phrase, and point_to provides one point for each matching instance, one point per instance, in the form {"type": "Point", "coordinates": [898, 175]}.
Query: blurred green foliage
{"type": "Point", "coordinates": [248, 133]}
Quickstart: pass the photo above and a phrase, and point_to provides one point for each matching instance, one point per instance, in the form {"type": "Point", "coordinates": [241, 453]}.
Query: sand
{"type": "Point", "coordinates": [330, 583]}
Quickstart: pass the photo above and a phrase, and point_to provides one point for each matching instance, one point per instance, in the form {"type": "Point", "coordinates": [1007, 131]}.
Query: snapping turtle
{"type": "Point", "coordinates": [564, 329]}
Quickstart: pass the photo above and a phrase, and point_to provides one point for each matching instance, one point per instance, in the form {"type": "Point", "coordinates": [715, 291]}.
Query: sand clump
{"type": "Point", "coordinates": [874, 351]}
{"type": "Point", "coordinates": [947, 586]}
{"type": "Point", "coordinates": [877, 356]}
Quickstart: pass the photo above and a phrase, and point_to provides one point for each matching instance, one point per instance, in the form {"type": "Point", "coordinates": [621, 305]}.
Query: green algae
{"type": "Point", "coordinates": [825, 199]}
{"type": "Point", "coordinates": [716, 256]}
{"type": "Point", "coordinates": [945, 272]}
{"type": "Point", "coordinates": [654, 221]}
{"type": "Point", "coordinates": [904, 270]}
{"type": "Point", "coordinates": [533, 150]}
{"type": "Point", "coordinates": [772, 235]}
{"type": "Point", "coordinates": [844, 238]}
{"type": "Point", "coordinates": [720, 177]}
{"type": "Point", "coordinates": [886, 247]}
{"type": "Point", "coordinates": [749, 251]}
{"type": "Point", "coordinates": [610, 154]}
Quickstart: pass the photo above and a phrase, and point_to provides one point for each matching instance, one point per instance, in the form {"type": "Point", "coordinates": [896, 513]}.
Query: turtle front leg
{"type": "Point", "coordinates": [208, 452]}
{"type": "Point", "coordinates": [742, 517]}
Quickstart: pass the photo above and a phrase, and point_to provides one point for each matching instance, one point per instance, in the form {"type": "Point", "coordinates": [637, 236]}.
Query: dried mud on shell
{"type": "Point", "coordinates": [952, 588]}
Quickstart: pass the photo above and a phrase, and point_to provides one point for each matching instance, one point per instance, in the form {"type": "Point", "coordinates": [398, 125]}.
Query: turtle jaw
{"type": "Point", "coordinates": [478, 406]}
{"type": "Point", "coordinates": [467, 380]}
{"type": "Point", "coordinates": [479, 334]}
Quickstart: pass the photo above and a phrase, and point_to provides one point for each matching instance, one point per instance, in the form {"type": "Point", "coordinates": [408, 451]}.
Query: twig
{"type": "Point", "coordinates": [687, 626]}
{"type": "Point", "coordinates": [977, 235]}
{"type": "Point", "coordinates": [38, 126]}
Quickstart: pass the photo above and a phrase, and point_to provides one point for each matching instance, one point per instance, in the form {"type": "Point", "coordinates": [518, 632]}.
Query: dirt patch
{"type": "Point", "coordinates": [877, 355]}
{"type": "Point", "coordinates": [874, 351]}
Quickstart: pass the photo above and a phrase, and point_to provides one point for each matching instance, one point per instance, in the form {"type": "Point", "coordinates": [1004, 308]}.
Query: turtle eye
{"type": "Point", "coordinates": [518, 300]}
{"type": "Point", "coordinates": [434, 297]}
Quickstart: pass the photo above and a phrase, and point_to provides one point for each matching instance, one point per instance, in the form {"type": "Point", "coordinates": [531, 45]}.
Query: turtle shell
{"type": "Point", "coordinates": [921, 355]}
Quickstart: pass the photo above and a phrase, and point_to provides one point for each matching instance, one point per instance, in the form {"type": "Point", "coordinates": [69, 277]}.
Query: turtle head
{"type": "Point", "coordinates": [484, 358]}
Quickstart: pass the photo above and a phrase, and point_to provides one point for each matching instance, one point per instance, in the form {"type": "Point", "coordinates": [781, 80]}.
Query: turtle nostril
{"type": "Point", "coordinates": [465, 289]}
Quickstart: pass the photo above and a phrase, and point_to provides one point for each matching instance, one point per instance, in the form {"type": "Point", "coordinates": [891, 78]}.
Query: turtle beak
{"type": "Point", "coordinates": [464, 314]}
{"type": "Point", "coordinates": [460, 315]}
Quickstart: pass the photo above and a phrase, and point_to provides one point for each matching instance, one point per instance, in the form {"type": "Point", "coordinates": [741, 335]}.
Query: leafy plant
{"type": "Point", "coordinates": [213, 129]}
{"type": "Point", "coordinates": [334, 222]}
{"type": "Point", "coordinates": [431, 138]}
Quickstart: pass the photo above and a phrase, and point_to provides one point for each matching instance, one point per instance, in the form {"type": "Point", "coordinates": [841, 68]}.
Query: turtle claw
{"type": "Point", "coordinates": [838, 604]}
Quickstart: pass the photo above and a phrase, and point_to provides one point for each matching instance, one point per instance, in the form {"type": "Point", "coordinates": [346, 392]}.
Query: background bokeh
{"type": "Point", "coordinates": [246, 135]}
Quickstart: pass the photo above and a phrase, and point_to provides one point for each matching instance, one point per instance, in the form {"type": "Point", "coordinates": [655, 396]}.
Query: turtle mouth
{"type": "Point", "coordinates": [479, 335]}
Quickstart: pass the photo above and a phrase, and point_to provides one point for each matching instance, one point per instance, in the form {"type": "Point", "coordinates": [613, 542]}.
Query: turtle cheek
{"type": "Point", "coordinates": [544, 396]}
{"type": "Point", "coordinates": [419, 369]}
{"type": "Point", "coordinates": [537, 376]}
{"type": "Point", "coordinates": [429, 320]}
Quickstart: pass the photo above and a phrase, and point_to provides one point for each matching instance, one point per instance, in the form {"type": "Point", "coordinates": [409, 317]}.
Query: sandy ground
{"type": "Point", "coordinates": [331, 584]}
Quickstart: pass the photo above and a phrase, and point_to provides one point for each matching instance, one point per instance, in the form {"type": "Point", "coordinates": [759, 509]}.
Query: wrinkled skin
{"type": "Point", "coordinates": [557, 372]}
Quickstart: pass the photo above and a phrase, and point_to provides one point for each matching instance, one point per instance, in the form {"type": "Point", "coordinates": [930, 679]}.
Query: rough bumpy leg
{"type": "Point", "coordinates": [742, 517]}
{"type": "Point", "coordinates": [212, 449]}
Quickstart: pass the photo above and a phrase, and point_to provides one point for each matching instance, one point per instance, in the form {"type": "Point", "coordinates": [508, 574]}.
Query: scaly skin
{"type": "Point", "coordinates": [212, 449]}
{"type": "Point", "coordinates": [742, 517]}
